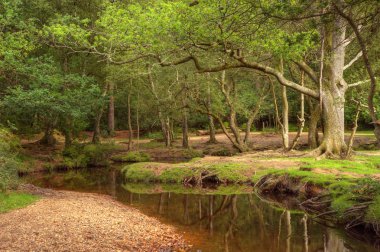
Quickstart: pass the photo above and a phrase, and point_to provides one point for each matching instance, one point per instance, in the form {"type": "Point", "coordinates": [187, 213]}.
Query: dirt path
{"type": "Point", "coordinates": [70, 221]}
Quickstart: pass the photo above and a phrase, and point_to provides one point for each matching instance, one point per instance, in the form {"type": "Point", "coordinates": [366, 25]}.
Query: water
{"type": "Point", "coordinates": [226, 219]}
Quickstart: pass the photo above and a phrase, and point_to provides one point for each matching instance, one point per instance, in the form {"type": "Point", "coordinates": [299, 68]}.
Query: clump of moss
{"type": "Point", "coordinates": [131, 157]}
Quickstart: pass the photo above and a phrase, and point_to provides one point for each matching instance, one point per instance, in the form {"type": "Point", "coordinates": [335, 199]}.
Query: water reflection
{"type": "Point", "coordinates": [229, 219]}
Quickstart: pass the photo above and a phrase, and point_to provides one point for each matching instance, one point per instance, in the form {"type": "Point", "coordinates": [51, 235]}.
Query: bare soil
{"type": "Point", "coordinates": [71, 221]}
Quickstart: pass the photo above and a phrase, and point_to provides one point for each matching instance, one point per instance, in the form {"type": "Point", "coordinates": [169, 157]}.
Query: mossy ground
{"type": "Point", "coordinates": [15, 200]}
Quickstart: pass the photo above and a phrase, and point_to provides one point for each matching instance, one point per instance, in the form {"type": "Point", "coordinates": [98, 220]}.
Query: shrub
{"type": "Point", "coordinates": [79, 155]}
{"type": "Point", "coordinates": [9, 146]}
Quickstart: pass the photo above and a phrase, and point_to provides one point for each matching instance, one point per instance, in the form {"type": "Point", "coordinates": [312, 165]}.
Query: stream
{"type": "Point", "coordinates": [227, 218]}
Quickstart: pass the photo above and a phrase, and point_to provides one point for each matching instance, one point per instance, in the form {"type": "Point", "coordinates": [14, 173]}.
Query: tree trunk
{"type": "Point", "coordinates": [130, 129]}
{"type": "Point", "coordinates": [96, 135]}
{"type": "Point", "coordinates": [68, 138]}
{"type": "Point", "coordinates": [111, 110]}
{"type": "Point", "coordinates": [285, 113]}
{"type": "Point", "coordinates": [301, 119]}
{"type": "Point", "coordinates": [212, 139]}
{"type": "Point", "coordinates": [252, 118]}
{"type": "Point", "coordinates": [333, 117]}
{"type": "Point", "coordinates": [185, 128]}
{"type": "Point", "coordinates": [48, 138]}
{"type": "Point", "coordinates": [138, 122]}
{"type": "Point", "coordinates": [315, 116]}
{"type": "Point", "coordinates": [333, 90]}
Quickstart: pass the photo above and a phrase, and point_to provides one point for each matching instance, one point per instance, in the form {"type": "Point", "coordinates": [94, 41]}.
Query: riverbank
{"type": "Point", "coordinates": [343, 191]}
{"type": "Point", "coordinates": [71, 221]}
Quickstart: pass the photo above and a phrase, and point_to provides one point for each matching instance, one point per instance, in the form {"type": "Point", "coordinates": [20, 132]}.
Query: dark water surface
{"type": "Point", "coordinates": [226, 219]}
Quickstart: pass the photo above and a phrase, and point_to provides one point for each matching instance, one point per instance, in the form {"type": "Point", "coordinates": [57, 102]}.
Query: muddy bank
{"type": "Point", "coordinates": [326, 205]}
{"type": "Point", "coordinates": [71, 221]}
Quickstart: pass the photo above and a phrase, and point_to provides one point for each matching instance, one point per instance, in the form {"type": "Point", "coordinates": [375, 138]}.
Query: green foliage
{"type": "Point", "coordinates": [9, 163]}
{"type": "Point", "coordinates": [83, 155]}
{"type": "Point", "coordinates": [52, 99]}
{"type": "Point", "coordinates": [12, 201]}
{"type": "Point", "coordinates": [132, 157]}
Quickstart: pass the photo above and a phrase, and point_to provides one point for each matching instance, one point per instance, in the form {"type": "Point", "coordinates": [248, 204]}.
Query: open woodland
{"type": "Point", "coordinates": [180, 125]}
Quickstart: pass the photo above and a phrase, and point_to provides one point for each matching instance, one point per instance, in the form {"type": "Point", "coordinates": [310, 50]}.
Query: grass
{"type": "Point", "coordinates": [15, 200]}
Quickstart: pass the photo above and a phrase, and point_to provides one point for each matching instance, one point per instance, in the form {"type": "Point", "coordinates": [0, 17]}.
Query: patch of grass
{"type": "Point", "coordinates": [14, 200]}
{"type": "Point", "coordinates": [131, 157]}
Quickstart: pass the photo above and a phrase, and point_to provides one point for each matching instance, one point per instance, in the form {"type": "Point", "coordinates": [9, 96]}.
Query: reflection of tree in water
{"type": "Point", "coordinates": [243, 223]}
{"type": "Point", "coordinates": [333, 242]}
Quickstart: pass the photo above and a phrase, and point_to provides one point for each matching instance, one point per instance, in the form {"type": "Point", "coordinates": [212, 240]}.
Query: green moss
{"type": "Point", "coordinates": [131, 157]}
{"type": "Point", "coordinates": [373, 212]}
{"type": "Point", "coordinates": [12, 201]}
{"type": "Point", "coordinates": [139, 173]}
{"type": "Point", "coordinates": [175, 175]}
{"type": "Point", "coordinates": [342, 203]}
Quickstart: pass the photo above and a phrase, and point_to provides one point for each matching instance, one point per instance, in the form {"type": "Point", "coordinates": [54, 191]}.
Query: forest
{"type": "Point", "coordinates": [189, 125]}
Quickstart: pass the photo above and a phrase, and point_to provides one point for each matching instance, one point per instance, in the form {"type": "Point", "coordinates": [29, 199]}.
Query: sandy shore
{"type": "Point", "coordinates": [71, 221]}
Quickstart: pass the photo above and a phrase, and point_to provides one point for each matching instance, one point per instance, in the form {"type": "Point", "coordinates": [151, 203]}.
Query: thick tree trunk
{"type": "Point", "coordinates": [333, 117]}
{"type": "Point", "coordinates": [333, 90]}
{"type": "Point", "coordinates": [111, 110]}
{"type": "Point", "coordinates": [130, 129]}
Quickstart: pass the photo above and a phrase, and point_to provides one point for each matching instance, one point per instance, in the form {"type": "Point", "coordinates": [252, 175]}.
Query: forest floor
{"type": "Point", "coordinates": [71, 221]}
